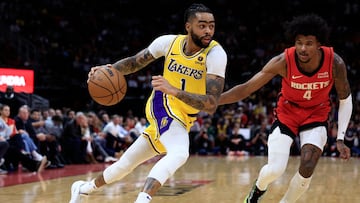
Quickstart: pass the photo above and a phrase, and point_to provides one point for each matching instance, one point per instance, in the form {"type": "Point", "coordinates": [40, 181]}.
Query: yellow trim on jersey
{"type": "Point", "coordinates": [168, 109]}
{"type": "Point", "coordinates": [157, 146]}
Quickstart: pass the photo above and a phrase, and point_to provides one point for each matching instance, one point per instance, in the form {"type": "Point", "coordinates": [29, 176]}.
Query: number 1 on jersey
{"type": "Point", "coordinates": [183, 83]}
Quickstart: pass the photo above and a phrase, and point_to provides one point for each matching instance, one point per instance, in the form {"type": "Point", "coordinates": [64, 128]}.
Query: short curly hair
{"type": "Point", "coordinates": [308, 24]}
{"type": "Point", "coordinates": [195, 8]}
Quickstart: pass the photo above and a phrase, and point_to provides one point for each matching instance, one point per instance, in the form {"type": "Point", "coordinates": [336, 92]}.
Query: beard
{"type": "Point", "coordinates": [197, 40]}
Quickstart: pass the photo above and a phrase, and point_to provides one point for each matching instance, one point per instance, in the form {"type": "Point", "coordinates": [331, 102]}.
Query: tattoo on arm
{"type": "Point", "coordinates": [340, 77]}
{"type": "Point", "coordinates": [208, 102]}
{"type": "Point", "coordinates": [134, 63]}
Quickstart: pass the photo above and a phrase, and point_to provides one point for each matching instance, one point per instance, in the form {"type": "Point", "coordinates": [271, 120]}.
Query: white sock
{"type": "Point", "coordinates": [88, 187]}
{"type": "Point", "coordinates": [143, 197]}
{"type": "Point", "coordinates": [298, 185]}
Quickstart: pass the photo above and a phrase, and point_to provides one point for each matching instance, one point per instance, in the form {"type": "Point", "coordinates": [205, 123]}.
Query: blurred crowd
{"type": "Point", "coordinates": [46, 139]}
{"type": "Point", "coordinates": [52, 138]}
{"type": "Point", "coordinates": [63, 39]}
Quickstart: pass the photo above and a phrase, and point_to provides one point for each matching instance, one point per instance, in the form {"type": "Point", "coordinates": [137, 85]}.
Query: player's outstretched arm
{"type": "Point", "coordinates": [276, 66]}
{"type": "Point", "coordinates": [207, 103]}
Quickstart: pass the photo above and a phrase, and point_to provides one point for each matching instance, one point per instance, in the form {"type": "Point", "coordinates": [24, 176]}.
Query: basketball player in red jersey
{"type": "Point", "coordinates": [308, 70]}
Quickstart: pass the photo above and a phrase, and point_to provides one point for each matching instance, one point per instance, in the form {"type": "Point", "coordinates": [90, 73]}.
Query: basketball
{"type": "Point", "coordinates": [107, 86]}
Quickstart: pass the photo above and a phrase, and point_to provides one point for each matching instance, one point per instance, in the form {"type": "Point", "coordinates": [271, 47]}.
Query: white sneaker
{"type": "Point", "coordinates": [110, 159]}
{"type": "Point", "coordinates": [75, 191]}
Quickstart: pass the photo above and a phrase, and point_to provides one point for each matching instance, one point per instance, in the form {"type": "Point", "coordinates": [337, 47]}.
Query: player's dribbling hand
{"type": "Point", "coordinates": [93, 69]}
{"type": "Point", "coordinates": [343, 149]}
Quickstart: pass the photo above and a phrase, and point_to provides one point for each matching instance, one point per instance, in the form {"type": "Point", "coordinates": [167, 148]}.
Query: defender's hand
{"type": "Point", "coordinates": [343, 149]}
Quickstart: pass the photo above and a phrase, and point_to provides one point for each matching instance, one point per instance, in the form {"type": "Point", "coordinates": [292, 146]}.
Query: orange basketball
{"type": "Point", "coordinates": [107, 86]}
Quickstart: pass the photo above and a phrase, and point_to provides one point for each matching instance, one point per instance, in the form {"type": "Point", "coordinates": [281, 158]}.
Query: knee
{"type": "Point", "coordinates": [177, 157]}
{"type": "Point", "coordinates": [117, 170]}
{"type": "Point", "coordinates": [180, 155]}
{"type": "Point", "coordinates": [309, 158]}
{"type": "Point", "coordinates": [307, 168]}
{"type": "Point", "coordinates": [276, 171]}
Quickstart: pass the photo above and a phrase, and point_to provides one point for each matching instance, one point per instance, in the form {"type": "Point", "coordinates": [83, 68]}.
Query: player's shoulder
{"type": "Point", "coordinates": [278, 59]}
{"type": "Point", "coordinates": [339, 66]}
{"type": "Point", "coordinates": [217, 49]}
{"type": "Point", "coordinates": [166, 38]}
{"type": "Point", "coordinates": [338, 60]}
{"type": "Point", "coordinates": [276, 65]}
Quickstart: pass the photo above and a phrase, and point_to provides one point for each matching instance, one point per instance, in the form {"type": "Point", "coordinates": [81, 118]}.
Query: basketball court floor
{"type": "Point", "coordinates": [203, 179]}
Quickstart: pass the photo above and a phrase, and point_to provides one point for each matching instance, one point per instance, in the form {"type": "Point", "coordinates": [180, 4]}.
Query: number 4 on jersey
{"type": "Point", "coordinates": [307, 95]}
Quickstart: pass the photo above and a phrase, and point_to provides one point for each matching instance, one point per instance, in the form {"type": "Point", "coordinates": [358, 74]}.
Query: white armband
{"type": "Point", "coordinates": [344, 115]}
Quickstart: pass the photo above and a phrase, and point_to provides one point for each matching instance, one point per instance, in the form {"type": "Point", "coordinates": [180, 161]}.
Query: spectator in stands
{"type": "Point", "coordinates": [129, 126]}
{"type": "Point", "coordinates": [69, 116]}
{"type": "Point", "coordinates": [193, 133]}
{"type": "Point", "coordinates": [237, 142]}
{"type": "Point", "coordinates": [101, 152]}
{"type": "Point", "coordinates": [96, 123]}
{"type": "Point", "coordinates": [48, 143]}
{"type": "Point", "coordinates": [53, 147]}
{"type": "Point", "coordinates": [76, 141]}
{"type": "Point", "coordinates": [205, 140]}
{"type": "Point", "coordinates": [330, 147]}
{"type": "Point", "coordinates": [105, 118]}
{"type": "Point", "coordinates": [19, 138]}
{"type": "Point", "coordinates": [11, 98]}
{"type": "Point", "coordinates": [356, 148]}
{"type": "Point", "coordinates": [22, 122]}
{"type": "Point", "coordinates": [4, 145]}
{"type": "Point", "coordinates": [241, 117]}
{"type": "Point", "coordinates": [116, 135]}
{"type": "Point", "coordinates": [221, 137]}
{"type": "Point", "coordinates": [350, 135]}
{"type": "Point", "coordinates": [221, 144]}
{"type": "Point", "coordinates": [11, 156]}
{"type": "Point", "coordinates": [48, 119]}
{"type": "Point", "coordinates": [140, 126]}
{"type": "Point", "coordinates": [258, 140]}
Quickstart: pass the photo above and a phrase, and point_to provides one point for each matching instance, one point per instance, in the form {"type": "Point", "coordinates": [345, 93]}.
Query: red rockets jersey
{"type": "Point", "coordinates": [304, 89]}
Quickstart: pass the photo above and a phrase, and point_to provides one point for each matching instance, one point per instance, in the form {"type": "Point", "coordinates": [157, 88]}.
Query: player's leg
{"type": "Point", "coordinates": [278, 155]}
{"type": "Point", "coordinates": [176, 142]}
{"type": "Point", "coordinates": [136, 154]}
{"type": "Point", "coordinates": [312, 144]}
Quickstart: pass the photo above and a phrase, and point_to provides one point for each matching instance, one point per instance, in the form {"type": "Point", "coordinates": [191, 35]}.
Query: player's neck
{"type": "Point", "coordinates": [311, 65]}
{"type": "Point", "coordinates": [190, 48]}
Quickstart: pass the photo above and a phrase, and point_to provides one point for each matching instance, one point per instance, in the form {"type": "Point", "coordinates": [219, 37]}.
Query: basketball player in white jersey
{"type": "Point", "coordinates": [192, 81]}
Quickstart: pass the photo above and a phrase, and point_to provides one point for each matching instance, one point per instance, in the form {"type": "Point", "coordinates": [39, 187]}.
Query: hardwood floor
{"type": "Point", "coordinates": [202, 179]}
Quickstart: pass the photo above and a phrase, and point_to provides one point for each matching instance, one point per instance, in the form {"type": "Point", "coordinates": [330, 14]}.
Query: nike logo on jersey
{"type": "Point", "coordinates": [296, 77]}
{"type": "Point", "coordinates": [172, 54]}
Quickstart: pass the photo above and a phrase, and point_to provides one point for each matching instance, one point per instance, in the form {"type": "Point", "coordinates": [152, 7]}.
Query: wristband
{"type": "Point", "coordinates": [344, 115]}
